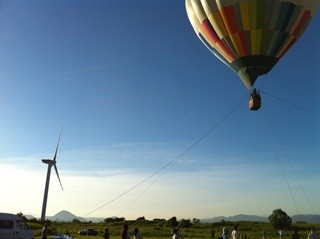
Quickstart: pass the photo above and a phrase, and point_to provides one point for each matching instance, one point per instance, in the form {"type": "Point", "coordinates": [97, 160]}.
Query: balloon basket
{"type": "Point", "coordinates": [255, 101]}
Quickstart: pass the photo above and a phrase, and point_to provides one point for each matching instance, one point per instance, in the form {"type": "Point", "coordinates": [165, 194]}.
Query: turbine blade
{"type": "Point", "coordinates": [56, 152]}
{"type": "Point", "coordinates": [55, 167]}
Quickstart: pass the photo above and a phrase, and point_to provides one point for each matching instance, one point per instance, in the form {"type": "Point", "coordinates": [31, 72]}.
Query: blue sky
{"type": "Point", "coordinates": [134, 88]}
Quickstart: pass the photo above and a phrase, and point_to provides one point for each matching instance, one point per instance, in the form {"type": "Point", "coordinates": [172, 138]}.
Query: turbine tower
{"type": "Point", "coordinates": [50, 162]}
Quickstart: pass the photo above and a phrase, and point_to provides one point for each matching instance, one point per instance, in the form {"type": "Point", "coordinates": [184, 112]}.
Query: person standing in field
{"type": "Point", "coordinates": [45, 231]}
{"type": "Point", "coordinates": [281, 234]}
{"type": "Point", "coordinates": [264, 234]}
{"type": "Point", "coordinates": [312, 234]}
{"type": "Point", "coordinates": [225, 233]}
{"type": "Point", "coordinates": [176, 234]}
{"type": "Point", "coordinates": [235, 233]}
{"type": "Point", "coordinates": [125, 231]}
{"type": "Point", "coordinates": [136, 234]}
{"type": "Point", "coordinates": [295, 234]}
{"type": "Point", "coordinates": [212, 232]}
{"type": "Point", "coordinates": [106, 234]}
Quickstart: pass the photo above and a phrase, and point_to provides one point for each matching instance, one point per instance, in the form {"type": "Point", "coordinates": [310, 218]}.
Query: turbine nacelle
{"type": "Point", "coordinates": [48, 161]}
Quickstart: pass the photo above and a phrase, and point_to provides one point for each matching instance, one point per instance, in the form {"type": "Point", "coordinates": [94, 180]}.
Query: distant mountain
{"type": "Point", "coordinates": [306, 218]}
{"type": "Point", "coordinates": [28, 216]}
{"type": "Point", "coordinates": [94, 219]}
{"type": "Point", "coordinates": [65, 216]}
{"type": "Point", "coordinates": [239, 217]}
{"type": "Point", "coordinates": [253, 218]}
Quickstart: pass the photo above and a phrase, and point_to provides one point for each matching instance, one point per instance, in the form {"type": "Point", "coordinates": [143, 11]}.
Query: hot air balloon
{"type": "Point", "coordinates": [250, 36]}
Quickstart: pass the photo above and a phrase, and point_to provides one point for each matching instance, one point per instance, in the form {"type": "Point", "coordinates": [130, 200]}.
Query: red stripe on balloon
{"type": "Point", "coordinates": [243, 40]}
{"type": "Point", "coordinates": [230, 17]}
{"type": "Point", "coordinates": [301, 23]}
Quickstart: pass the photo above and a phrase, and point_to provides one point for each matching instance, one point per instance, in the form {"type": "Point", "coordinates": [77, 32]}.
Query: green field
{"type": "Point", "coordinates": [160, 230]}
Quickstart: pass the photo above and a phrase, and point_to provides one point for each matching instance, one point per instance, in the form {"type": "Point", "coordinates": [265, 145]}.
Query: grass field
{"type": "Point", "coordinates": [156, 230]}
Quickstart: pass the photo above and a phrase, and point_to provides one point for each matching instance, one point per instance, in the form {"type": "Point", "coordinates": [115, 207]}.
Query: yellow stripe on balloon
{"type": "Point", "coordinates": [253, 14]}
{"type": "Point", "coordinates": [274, 15]}
{"type": "Point", "coordinates": [244, 10]}
{"type": "Point", "coordinates": [235, 38]}
{"type": "Point", "coordinates": [256, 41]}
{"type": "Point", "coordinates": [214, 17]}
{"type": "Point", "coordinates": [218, 25]}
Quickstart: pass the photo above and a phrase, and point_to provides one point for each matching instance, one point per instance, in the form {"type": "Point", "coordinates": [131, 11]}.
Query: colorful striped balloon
{"type": "Point", "coordinates": [250, 36]}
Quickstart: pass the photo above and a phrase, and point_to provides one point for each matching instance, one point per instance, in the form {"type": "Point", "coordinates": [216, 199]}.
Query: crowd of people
{"type": "Point", "coordinates": [136, 234]}
{"type": "Point", "coordinates": [295, 235]}
{"type": "Point", "coordinates": [125, 233]}
{"type": "Point", "coordinates": [236, 235]}
{"type": "Point", "coordinates": [175, 233]}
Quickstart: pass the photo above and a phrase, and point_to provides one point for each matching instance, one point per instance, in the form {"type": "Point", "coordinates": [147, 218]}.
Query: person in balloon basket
{"type": "Point", "coordinates": [125, 231]}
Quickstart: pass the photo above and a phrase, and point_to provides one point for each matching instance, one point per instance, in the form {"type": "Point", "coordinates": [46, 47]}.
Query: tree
{"type": "Point", "coordinates": [172, 222]}
{"type": "Point", "coordinates": [20, 214]}
{"type": "Point", "coordinates": [75, 220]}
{"type": "Point", "coordinates": [34, 220]}
{"type": "Point", "coordinates": [114, 219]}
{"type": "Point", "coordinates": [195, 220]}
{"type": "Point", "coordinates": [280, 220]}
{"type": "Point", "coordinates": [185, 223]}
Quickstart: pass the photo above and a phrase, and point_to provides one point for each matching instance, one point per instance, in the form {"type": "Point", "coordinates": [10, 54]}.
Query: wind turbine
{"type": "Point", "coordinates": [50, 162]}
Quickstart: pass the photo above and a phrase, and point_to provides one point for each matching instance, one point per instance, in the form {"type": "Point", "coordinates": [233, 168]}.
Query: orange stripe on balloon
{"type": "Point", "coordinates": [213, 35]}
{"type": "Point", "coordinates": [209, 30]}
{"type": "Point", "coordinates": [284, 51]}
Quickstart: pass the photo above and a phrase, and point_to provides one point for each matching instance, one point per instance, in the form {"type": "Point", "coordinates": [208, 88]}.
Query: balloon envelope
{"type": "Point", "coordinates": [250, 36]}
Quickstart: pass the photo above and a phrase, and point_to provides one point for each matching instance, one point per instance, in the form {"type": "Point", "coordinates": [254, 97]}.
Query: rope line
{"type": "Point", "coordinates": [146, 189]}
{"type": "Point", "coordinates": [289, 161]}
{"type": "Point", "coordinates": [175, 159]}
{"type": "Point", "coordinates": [285, 177]}
{"type": "Point", "coordinates": [291, 103]}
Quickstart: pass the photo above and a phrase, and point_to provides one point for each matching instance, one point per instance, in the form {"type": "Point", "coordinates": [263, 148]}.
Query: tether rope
{"type": "Point", "coordinates": [289, 161]}
{"type": "Point", "coordinates": [175, 159]}
{"type": "Point", "coordinates": [291, 103]}
{"type": "Point", "coordinates": [285, 177]}
{"type": "Point", "coordinates": [146, 189]}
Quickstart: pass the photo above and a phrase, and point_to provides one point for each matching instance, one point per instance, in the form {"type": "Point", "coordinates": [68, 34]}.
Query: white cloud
{"type": "Point", "coordinates": [211, 189]}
